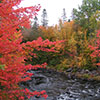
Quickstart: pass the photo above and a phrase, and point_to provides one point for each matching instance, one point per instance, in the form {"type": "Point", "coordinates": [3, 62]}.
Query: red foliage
{"type": "Point", "coordinates": [13, 53]}
{"type": "Point", "coordinates": [96, 48]}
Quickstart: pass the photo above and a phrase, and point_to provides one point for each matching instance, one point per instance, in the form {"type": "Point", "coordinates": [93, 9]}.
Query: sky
{"type": "Point", "coordinates": [54, 8]}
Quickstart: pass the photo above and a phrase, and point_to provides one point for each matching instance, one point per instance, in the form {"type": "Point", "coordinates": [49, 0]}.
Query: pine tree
{"type": "Point", "coordinates": [35, 24]}
{"type": "Point", "coordinates": [44, 18]}
{"type": "Point", "coordinates": [34, 34]}
{"type": "Point", "coordinates": [64, 18]}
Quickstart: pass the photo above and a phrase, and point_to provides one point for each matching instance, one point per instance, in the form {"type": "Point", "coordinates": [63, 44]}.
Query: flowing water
{"type": "Point", "coordinates": [59, 87]}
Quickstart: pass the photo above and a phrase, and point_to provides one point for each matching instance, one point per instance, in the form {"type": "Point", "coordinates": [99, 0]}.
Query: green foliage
{"type": "Point", "coordinates": [86, 15]}
{"type": "Point", "coordinates": [2, 67]}
{"type": "Point", "coordinates": [86, 76]}
{"type": "Point", "coordinates": [50, 58]}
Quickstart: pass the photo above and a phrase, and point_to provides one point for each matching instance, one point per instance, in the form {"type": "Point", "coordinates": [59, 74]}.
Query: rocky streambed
{"type": "Point", "coordinates": [61, 87]}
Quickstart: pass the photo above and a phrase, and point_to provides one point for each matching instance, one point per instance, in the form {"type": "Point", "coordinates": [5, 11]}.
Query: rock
{"type": "Point", "coordinates": [59, 87]}
{"type": "Point", "coordinates": [87, 71]}
{"type": "Point", "coordinates": [69, 70]}
{"type": "Point", "coordinates": [37, 80]}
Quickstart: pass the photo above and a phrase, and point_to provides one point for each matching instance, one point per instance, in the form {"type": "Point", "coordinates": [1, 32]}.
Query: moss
{"type": "Point", "coordinates": [96, 78]}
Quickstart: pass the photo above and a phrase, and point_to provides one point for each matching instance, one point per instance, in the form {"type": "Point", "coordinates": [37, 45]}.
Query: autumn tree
{"type": "Point", "coordinates": [76, 52]}
{"type": "Point", "coordinates": [13, 52]}
{"type": "Point", "coordinates": [12, 55]}
{"type": "Point", "coordinates": [48, 33]}
{"type": "Point", "coordinates": [96, 50]}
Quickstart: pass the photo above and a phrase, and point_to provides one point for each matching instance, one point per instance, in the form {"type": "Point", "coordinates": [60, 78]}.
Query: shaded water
{"type": "Point", "coordinates": [59, 87]}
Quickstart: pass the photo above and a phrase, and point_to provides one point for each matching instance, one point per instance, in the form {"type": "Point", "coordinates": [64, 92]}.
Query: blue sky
{"type": "Point", "coordinates": [54, 8]}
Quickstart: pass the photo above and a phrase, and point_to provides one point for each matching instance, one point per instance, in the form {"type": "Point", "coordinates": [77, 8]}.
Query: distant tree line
{"type": "Point", "coordinates": [87, 16]}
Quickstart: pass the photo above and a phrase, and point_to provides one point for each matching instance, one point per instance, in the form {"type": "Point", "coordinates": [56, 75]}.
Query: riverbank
{"type": "Point", "coordinates": [60, 86]}
{"type": "Point", "coordinates": [83, 74]}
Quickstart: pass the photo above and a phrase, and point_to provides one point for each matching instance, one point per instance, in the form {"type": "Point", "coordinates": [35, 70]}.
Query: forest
{"type": "Point", "coordinates": [72, 46]}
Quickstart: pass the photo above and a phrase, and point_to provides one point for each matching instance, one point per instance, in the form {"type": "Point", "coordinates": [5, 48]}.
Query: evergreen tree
{"type": "Point", "coordinates": [69, 20]}
{"type": "Point", "coordinates": [35, 24]}
{"type": "Point", "coordinates": [44, 18]}
{"type": "Point", "coordinates": [64, 18]}
{"type": "Point", "coordinates": [34, 33]}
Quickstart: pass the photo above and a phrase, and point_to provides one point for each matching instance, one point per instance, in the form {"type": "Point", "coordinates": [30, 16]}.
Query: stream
{"type": "Point", "coordinates": [59, 87]}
